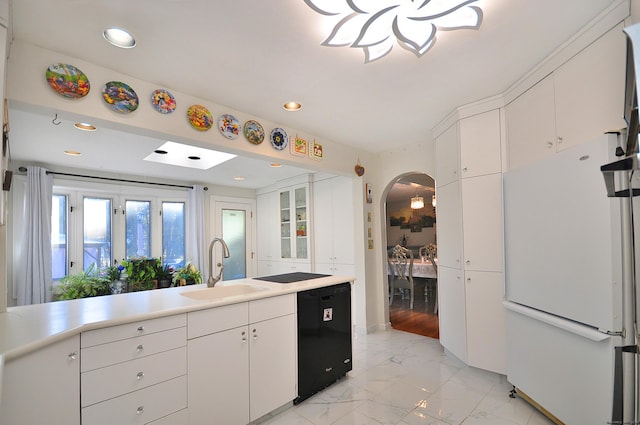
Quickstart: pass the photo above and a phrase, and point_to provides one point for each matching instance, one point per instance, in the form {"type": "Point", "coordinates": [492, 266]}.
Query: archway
{"type": "Point", "coordinates": [413, 226]}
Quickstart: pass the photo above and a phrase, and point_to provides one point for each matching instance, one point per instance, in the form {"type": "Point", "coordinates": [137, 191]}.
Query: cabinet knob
{"type": "Point", "coordinates": [140, 410]}
{"type": "Point", "coordinates": [468, 279]}
{"type": "Point", "coordinates": [328, 369]}
{"type": "Point", "coordinates": [467, 262]}
{"type": "Point", "coordinates": [559, 140]}
{"type": "Point", "coordinates": [140, 375]}
{"type": "Point", "coordinates": [244, 336]}
{"type": "Point", "coordinates": [73, 355]}
{"type": "Point", "coordinates": [549, 145]}
{"type": "Point", "coordinates": [139, 348]}
{"type": "Point", "coordinates": [465, 169]}
{"type": "Point", "coordinates": [140, 328]}
{"type": "Point", "coordinates": [255, 334]}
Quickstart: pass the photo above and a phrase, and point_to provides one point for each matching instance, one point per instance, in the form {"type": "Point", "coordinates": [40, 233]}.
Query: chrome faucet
{"type": "Point", "coordinates": [225, 253]}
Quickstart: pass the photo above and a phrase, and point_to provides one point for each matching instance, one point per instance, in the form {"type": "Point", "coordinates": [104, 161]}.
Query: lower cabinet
{"type": "Point", "coordinates": [42, 387]}
{"type": "Point", "coordinates": [241, 360]}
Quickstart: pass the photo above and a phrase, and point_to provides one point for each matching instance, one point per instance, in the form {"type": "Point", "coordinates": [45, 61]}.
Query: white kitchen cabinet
{"type": "Point", "coordinates": [242, 360]}
{"type": "Point", "coordinates": [136, 369]}
{"type": "Point", "coordinates": [589, 90]}
{"type": "Point", "coordinates": [42, 387]}
{"type": "Point", "coordinates": [578, 102]}
{"type": "Point", "coordinates": [531, 125]}
{"type": "Point", "coordinates": [483, 223]}
{"type": "Point", "coordinates": [268, 239]}
{"type": "Point", "coordinates": [486, 321]}
{"type": "Point", "coordinates": [446, 146]}
{"type": "Point", "coordinates": [452, 311]}
{"type": "Point", "coordinates": [294, 223]}
{"type": "Point", "coordinates": [480, 147]}
{"type": "Point", "coordinates": [333, 241]}
{"type": "Point", "coordinates": [449, 234]}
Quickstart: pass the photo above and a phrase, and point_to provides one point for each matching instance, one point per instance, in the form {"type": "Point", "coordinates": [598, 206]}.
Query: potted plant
{"type": "Point", "coordinates": [86, 283]}
{"type": "Point", "coordinates": [164, 276]}
{"type": "Point", "coordinates": [187, 275]}
{"type": "Point", "coordinates": [112, 274]}
{"type": "Point", "coordinates": [141, 273]}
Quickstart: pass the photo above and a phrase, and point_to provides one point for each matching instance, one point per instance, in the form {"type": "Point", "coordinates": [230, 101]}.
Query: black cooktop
{"type": "Point", "coordinates": [291, 277]}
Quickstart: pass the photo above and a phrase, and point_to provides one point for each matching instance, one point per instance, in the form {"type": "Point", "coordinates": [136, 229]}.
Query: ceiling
{"type": "Point", "coordinates": [253, 56]}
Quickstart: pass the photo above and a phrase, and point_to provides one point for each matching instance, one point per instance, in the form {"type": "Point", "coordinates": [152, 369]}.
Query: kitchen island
{"type": "Point", "coordinates": [56, 344]}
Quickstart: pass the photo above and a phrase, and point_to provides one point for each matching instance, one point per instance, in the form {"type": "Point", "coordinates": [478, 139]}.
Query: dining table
{"type": "Point", "coordinates": [422, 268]}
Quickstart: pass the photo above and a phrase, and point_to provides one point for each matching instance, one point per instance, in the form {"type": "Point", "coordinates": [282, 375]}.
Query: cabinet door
{"type": "Point", "coordinates": [451, 309]}
{"type": "Point", "coordinates": [272, 365]}
{"type": "Point", "coordinates": [323, 230]}
{"type": "Point", "coordinates": [449, 234]}
{"type": "Point", "coordinates": [486, 321]}
{"type": "Point", "coordinates": [447, 156]}
{"type": "Point", "coordinates": [218, 388]}
{"type": "Point", "coordinates": [531, 125]}
{"type": "Point", "coordinates": [480, 144]}
{"type": "Point", "coordinates": [343, 237]}
{"type": "Point", "coordinates": [48, 378]}
{"type": "Point", "coordinates": [483, 223]}
{"type": "Point", "coordinates": [267, 227]}
{"type": "Point", "coordinates": [589, 91]}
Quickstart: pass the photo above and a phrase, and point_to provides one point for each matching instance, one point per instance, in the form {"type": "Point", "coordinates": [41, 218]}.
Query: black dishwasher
{"type": "Point", "coordinates": [324, 338]}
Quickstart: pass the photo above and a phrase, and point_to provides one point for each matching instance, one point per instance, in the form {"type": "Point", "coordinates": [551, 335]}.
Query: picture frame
{"type": "Point", "coordinates": [298, 146]}
{"type": "Point", "coordinates": [316, 151]}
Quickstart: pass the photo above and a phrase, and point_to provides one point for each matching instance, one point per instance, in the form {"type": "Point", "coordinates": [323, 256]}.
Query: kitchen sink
{"type": "Point", "coordinates": [222, 292]}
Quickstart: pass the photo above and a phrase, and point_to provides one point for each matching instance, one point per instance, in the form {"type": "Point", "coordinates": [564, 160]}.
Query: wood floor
{"type": "Point", "coordinates": [421, 320]}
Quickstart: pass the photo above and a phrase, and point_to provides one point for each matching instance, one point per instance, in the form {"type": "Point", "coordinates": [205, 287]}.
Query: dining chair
{"type": "Point", "coordinates": [431, 255]}
{"type": "Point", "coordinates": [401, 268]}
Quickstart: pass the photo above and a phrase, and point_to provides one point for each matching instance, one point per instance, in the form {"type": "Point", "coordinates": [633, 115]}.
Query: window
{"type": "Point", "coordinates": [110, 224]}
{"type": "Point", "coordinates": [59, 250]}
{"type": "Point", "coordinates": [138, 229]}
{"type": "Point", "coordinates": [173, 239]}
{"type": "Point", "coordinates": [97, 233]}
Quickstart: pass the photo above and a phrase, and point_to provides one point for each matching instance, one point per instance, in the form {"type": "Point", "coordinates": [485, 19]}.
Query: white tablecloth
{"type": "Point", "coordinates": [422, 269]}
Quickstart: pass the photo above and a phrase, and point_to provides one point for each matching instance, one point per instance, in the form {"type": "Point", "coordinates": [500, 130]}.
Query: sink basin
{"type": "Point", "coordinates": [222, 291]}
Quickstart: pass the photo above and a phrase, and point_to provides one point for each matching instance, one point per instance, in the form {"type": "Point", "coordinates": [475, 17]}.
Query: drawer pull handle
{"type": "Point", "coordinates": [140, 328]}
{"type": "Point", "coordinates": [139, 348]}
{"type": "Point", "coordinates": [329, 369]}
{"type": "Point", "coordinates": [140, 410]}
{"type": "Point", "coordinates": [140, 375]}
{"type": "Point", "coordinates": [73, 355]}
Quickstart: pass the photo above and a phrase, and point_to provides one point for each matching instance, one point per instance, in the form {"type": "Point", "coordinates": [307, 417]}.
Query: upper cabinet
{"type": "Point", "coordinates": [294, 230]}
{"type": "Point", "coordinates": [447, 156]}
{"type": "Point", "coordinates": [480, 144]}
{"type": "Point", "coordinates": [580, 100]}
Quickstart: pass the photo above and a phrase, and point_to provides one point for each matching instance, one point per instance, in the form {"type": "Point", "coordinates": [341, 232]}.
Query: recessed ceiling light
{"type": "Point", "coordinates": [72, 153]}
{"type": "Point", "coordinates": [292, 106]}
{"type": "Point", "coordinates": [84, 126]}
{"type": "Point", "coordinates": [238, 178]}
{"type": "Point", "coordinates": [119, 38]}
{"type": "Point", "coordinates": [182, 155]}
{"type": "Point", "coordinates": [275, 165]}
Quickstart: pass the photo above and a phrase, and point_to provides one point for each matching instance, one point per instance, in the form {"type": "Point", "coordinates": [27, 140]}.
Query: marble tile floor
{"type": "Point", "coordinates": [400, 378]}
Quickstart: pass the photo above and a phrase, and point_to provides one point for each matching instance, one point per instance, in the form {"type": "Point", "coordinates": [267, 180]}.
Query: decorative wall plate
{"type": "Point", "coordinates": [200, 117]}
{"type": "Point", "coordinates": [163, 101]}
{"type": "Point", "coordinates": [228, 126]}
{"type": "Point", "coordinates": [299, 146]}
{"type": "Point", "coordinates": [120, 97]}
{"type": "Point", "coordinates": [253, 131]}
{"type": "Point", "coordinates": [279, 138]}
{"type": "Point", "coordinates": [67, 81]}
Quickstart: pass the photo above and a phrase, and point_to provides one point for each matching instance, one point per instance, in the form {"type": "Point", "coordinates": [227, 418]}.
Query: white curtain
{"type": "Point", "coordinates": [196, 249]}
{"type": "Point", "coordinates": [32, 272]}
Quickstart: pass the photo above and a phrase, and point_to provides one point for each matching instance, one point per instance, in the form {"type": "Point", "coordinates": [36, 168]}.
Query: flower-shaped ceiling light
{"type": "Point", "coordinates": [375, 25]}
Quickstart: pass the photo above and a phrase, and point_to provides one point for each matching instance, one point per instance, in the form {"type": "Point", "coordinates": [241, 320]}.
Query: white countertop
{"type": "Point", "coordinates": [27, 328]}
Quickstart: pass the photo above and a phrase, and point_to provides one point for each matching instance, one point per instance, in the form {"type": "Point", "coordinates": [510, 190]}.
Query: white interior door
{"type": "Point", "coordinates": [235, 225]}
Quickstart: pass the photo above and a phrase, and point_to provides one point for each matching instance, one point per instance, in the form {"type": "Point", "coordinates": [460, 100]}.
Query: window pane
{"type": "Point", "coordinates": [59, 236]}
{"type": "Point", "coordinates": [138, 228]}
{"type": "Point", "coordinates": [234, 234]}
{"type": "Point", "coordinates": [173, 240]}
{"type": "Point", "coordinates": [97, 233]}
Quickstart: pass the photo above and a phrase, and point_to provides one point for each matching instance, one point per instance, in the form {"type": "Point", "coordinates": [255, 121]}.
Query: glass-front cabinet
{"type": "Point", "coordinates": [294, 231]}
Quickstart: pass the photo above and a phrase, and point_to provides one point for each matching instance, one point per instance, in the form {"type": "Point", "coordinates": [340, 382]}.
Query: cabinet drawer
{"type": "Point", "coordinates": [178, 418]}
{"type": "Point", "coordinates": [108, 382]}
{"type": "Point", "coordinates": [130, 349]}
{"type": "Point", "coordinates": [268, 308]}
{"type": "Point", "coordinates": [213, 320]}
{"type": "Point", "coordinates": [130, 330]}
{"type": "Point", "coordinates": [139, 407]}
